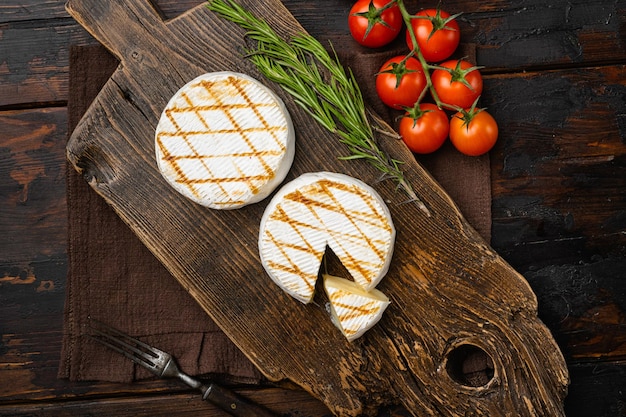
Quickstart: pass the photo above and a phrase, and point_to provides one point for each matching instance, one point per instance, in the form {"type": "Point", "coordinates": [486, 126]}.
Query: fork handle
{"type": "Point", "coordinates": [233, 403]}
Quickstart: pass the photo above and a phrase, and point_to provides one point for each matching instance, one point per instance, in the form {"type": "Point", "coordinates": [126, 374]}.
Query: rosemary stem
{"type": "Point", "coordinates": [319, 84]}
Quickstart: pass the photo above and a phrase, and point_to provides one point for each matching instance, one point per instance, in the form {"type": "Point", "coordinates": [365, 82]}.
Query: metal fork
{"type": "Point", "coordinates": [163, 365]}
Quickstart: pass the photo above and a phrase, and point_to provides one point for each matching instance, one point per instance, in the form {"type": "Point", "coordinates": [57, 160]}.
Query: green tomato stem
{"type": "Point", "coordinates": [426, 67]}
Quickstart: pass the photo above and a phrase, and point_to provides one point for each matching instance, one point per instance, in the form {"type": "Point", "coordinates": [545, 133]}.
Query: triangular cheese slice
{"type": "Point", "coordinates": [353, 309]}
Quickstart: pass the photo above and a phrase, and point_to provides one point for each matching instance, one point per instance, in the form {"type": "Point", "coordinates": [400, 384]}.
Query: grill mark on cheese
{"type": "Point", "coordinates": [215, 89]}
{"type": "Point", "coordinates": [323, 189]}
{"type": "Point", "coordinates": [309, 284]}
{"type": "Point", "coordinates": [181, 176]}
{"type": "Point", "coordinates": [208, 86]}
{"type": "Point", "coordinates": [368, 309]}
{"type": "Point", "coordinates": [353, 216]}
{"type": "Point", "coordinates": [255, 109]}
{"type": "Point", "coordinates": [353, 312]}
{"type": "Point", "coordinates": [195, 109]}
{"type": "Point", "coordinates": [347, 259]}
{"type": "Point", "coordinates": [293, 267]}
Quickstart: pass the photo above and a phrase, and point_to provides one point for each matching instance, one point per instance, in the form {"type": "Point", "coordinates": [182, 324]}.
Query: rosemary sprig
{"type": "Point", "coordinates": [319, 84]}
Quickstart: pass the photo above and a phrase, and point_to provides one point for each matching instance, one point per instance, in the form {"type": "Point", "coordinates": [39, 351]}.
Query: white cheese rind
{"type": "Point", "coordinates": [320, 209]}
{"type": "Point", "coordinates": [225, 140]}
{"type": "Point", "coordinates": [354, 310]}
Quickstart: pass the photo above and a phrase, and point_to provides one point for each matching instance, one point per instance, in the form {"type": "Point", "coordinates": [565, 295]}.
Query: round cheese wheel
{"type": "Point", "coordinates": [225, 140]}
{"type": "Point", "coordinates": [323, 209]}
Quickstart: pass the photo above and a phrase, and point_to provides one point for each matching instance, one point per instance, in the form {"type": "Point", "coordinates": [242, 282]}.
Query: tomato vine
{"type": "Point", "coordinates": [432, 36]}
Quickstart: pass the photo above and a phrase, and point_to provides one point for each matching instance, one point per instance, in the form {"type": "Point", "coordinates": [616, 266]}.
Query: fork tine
{"type": "Point", "coordinates": [163, 365]}
{"type": "Point", "coordinates": [108, 330]}
{"type": "Point", "coordinates": [114, 339]}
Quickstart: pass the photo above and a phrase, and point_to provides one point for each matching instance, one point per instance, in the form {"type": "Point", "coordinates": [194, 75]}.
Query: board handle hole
{"type": "Point", "coordinates": [470, 366]}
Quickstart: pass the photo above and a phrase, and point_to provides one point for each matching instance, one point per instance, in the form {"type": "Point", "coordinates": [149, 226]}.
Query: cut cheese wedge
{"type": "Point", "coordinates": [225, 140]}
{"type": "Point", "coordinates": [353, 310]}
{"type": "Point", "coordinates": [323, 209]}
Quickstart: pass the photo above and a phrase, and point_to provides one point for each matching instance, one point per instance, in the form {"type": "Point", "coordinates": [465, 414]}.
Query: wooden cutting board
{"type": "Point", "coordinates": [451, 294]}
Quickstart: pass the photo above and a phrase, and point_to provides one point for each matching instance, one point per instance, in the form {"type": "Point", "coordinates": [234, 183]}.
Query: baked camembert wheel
{"type": "Point", "coordinates": [225, 140]}
{"type": "Point", "coordinates": [323, 209]}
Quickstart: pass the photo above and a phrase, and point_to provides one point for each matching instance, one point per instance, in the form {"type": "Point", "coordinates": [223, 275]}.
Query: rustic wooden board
{"type": "Point", "coordinates": [449, 289]}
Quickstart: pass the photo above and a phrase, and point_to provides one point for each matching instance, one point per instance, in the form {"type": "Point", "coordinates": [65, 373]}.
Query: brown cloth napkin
{"type": "Point", "coordinates": [112, 277]}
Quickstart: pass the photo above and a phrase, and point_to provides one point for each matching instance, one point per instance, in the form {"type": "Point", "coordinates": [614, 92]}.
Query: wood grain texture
{"type": "Point", "coordinates": [449, 290]}
{"type": "Point", "coordinates": [575, 154]}
{"type": "Point", "coordinates": [34, 52]}
{"type": "Point", "coordinates": [510, 35]}
{"type": "Point", "coordinates": [280, 401]}
{"type": "Point", "coordinates": [575, 267]}
{"type": "Point", "coordinates": [575, 134]}
{"type": "Point", "coordinates": [33, 143]}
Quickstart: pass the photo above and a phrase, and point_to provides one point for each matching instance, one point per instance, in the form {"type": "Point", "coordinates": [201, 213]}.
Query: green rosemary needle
{"type": "Point", "coordinates": [319, 84]}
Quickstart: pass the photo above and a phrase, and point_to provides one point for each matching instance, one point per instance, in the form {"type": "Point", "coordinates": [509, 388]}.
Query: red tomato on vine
{"type": "Point", "coordinates": [424, 130]}
{"type": "Point", "coordinates": [375, 23]}
{"type": "Point", "coordinates": [400, 82]}
{"type": "Point", "coordinates": [436, 32]}
{"type": "Point", "coordinates": [459, 85]}
{"type": "Point", "coordinates": [473, 132]}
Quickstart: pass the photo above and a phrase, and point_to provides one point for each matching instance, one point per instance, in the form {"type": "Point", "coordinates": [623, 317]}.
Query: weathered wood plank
{"type": "Point", "coordinates": [20, 10]}
{"type": "Point", "coordinates": [32, 143]}
{"type": "Point", "coordinates": [34, 59]}
{"type": "Point", "coordinates": [29, 10]}
{"type": "Point", "coordinates": [559, 200]}
{"type": "Point", "coordinates": [559, 169]}
{"type": "Point", "coordinates": [287, 403]}
{"type": "Point", "coordinates": [508, 35]}
{"type": "Point", "coordinates": [537, 33]}
{"type": "Point", "coordinates": [34, 48]}
{"type": "Point", "coordinates": [598, 390]}
{"type": "Point", "coordinates": [584, 305]}
{"type": "Point", "coordinates": [33, 249]}
{"type": "Point", "coordinates": [33, 220]}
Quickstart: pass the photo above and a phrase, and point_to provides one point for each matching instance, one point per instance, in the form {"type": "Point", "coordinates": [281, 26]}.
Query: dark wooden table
{"type": "Point", "coordinates": [555, 81]}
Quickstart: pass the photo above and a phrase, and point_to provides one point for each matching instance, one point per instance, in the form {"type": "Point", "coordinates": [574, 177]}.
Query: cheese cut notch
{"type": "Point", "coordinates": [323, 209]}
{"type": "Point", "coordinates": [353, 310]}
{"type": "Point", "coordinates": [224, 140]}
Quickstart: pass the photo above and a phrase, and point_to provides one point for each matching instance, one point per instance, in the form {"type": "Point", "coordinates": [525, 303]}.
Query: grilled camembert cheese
{"type": "Point", "coordinates": [353, 310]}
{"type": "Point", "coordinates": [323, 209]}
{"type": "Point", "coordinates": [225, 140]}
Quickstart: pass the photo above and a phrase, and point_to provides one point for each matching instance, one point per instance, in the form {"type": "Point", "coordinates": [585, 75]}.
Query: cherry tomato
{"type": "Point", "coordinates": [426, 131]}
{"type": "Point", "coordinates": [460, 86]}
{"type": "Point", "coordinates": [473, 133]}
{"type": "Point", "coordinates": [400, 82]}
{"type": "Point", "coordinates": [374, 23]}
{"type": "Point", "coordinates": [437, 34]}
